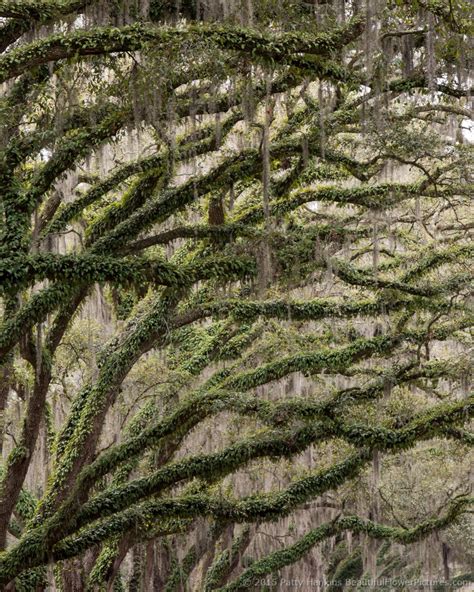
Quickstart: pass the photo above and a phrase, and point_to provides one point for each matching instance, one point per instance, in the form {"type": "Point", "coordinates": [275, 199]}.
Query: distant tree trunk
{"type": "Point", "coordinates": [123, 549]}
{"type": "Point", "coordinates": [445, 551]}
{"type": "Point", "coordinates": [136, 581]}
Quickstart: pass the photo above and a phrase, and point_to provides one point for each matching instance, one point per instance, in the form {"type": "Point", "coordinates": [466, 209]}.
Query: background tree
{"type": "Point", "coordinates": [236, 293]}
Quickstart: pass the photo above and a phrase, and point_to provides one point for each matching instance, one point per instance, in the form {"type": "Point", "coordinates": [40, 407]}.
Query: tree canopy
{"type": "Point", "coordinates": [236, 291]}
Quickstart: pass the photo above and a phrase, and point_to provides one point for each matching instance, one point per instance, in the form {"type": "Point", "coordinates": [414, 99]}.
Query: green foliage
{"type": "Point", "coordinates": [279, 211]}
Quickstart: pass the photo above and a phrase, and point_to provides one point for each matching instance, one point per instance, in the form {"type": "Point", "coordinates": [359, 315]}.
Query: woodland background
{"type": "Point", "coordinates": [236, 294]}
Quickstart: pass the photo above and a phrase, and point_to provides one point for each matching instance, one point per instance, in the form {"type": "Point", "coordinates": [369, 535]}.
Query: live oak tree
{"type": "Point", "coordinates": [274, 200]}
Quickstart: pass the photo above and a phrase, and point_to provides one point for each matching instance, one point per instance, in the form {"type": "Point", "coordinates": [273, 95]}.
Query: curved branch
{"type": "Point", "coordinates": [134, 37]}
{"type": "Point", "coordinates": [293, 553]}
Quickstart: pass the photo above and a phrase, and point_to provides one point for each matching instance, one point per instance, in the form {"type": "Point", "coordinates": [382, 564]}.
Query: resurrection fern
{"type": "Point", "coordinates": [235, 293]}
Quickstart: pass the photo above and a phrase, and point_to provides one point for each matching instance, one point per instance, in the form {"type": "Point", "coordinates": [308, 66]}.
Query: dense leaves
{"type": "Point", "coordinates": [235, 238]}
